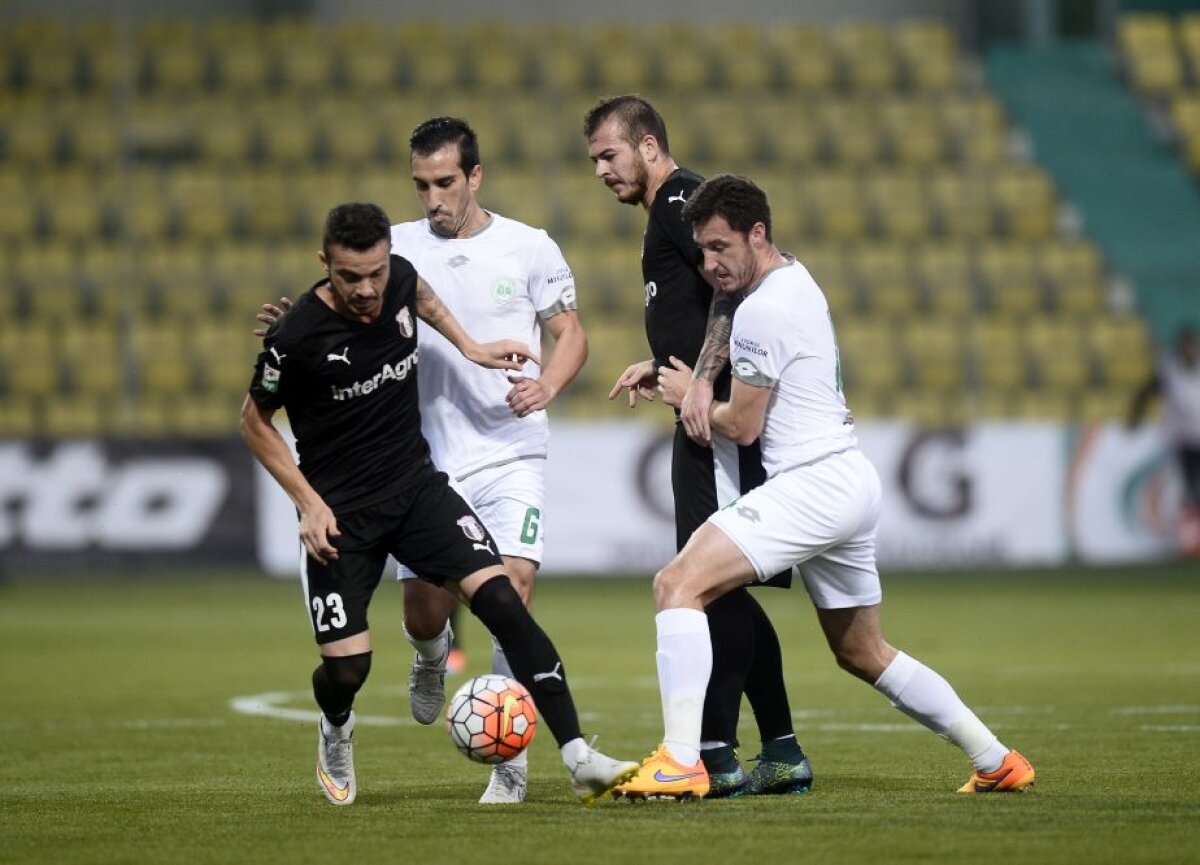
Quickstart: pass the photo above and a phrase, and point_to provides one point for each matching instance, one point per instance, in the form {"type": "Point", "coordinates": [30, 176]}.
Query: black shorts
{"type": "Point", "coordinates": [427, 526]}
{"type": "Point", "coordinates": [694, 486]}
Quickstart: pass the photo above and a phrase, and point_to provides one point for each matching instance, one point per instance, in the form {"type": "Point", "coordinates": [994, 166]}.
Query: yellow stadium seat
{"type": "Point", "coordinates": [75, 415]}
{"type": "Point", "coordinates": [805, 56]}
{"type": "Point", "coordinates": [31, 365]}
{"type": "Point", "coordinates": [835, 201]}
{"type": "Point", "coordinates": [929, 54]}
{"type": "Point", "coordinates": [624, 67]}
{"type": "Point", "coordinates": [913, 133]}
{"type": "Point", "coordinates": [1056, 348]}
{"type": "Point", "coordinates": [828, 264]}
{"type": "Point", "coordinates": [1007, 270]}
{"type": "Point", "coordinates": [1104, 405]}
{"type": "Point", "coordinates": [1121, 349]}
{"type": "Point", "coordinates": [18, 220]}
{"type": "Point", "coordinates": [946, 271]}
{"type": "Point", "coordinates": [931, 409]}
{"type": "Point", "coordinates": [682, 62]}
{"type": "Point", "coordinates": [243, 65]}
{"type": "Point", "coordinates": [869, 353]}
{"type": "Point", "coordinates": [19, 416]}
{"type": "Point", "coordinates": [936, 351]}
{"type": "Point", "coordinates": [885, 278]}
{"type": "Point", "coordinates": [520, 195]}
{"type": "Point", "coordinates": [850, 130]}
{"type": "Point", "coordinates": [30, 139]}
{"type": "Point", "coordinates": [743, 55]}
{"type": "Point", "coordinates": [865, 54]}
{"type": "Point", "coordinates": [1024, 200]}
{"type": "Point", "coordinates": [1074, 272]}
{"type": "Point", "coordinates": [992, 404]}
{"type": "Point", "coordinates": [204, 414]}
{"type": "Point", "coordinates": [145, 417]}
{"type": "Point", "coordinates": [1047, 404]}
{"type": "Point", "coordinates": [998, 353]}
{"type": "Point", "coordinates": [161, 357]}
{"type": "Point", "coordinates": [866, 404]}
{"type": "Point", "coordinates": [93, 358]}
{"type": "Point", "coordinates": [899, 204]}
{"type": "Point", "coordinates": [786, 131]}
{"type": "Point", "coordinates": [960, 202]}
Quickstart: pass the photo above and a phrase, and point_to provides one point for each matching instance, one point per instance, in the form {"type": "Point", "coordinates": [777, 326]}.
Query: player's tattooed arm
{"type": "Point", "coordinates": [501, 354]}
{"type": "Point", "coordinates": [714, 354]}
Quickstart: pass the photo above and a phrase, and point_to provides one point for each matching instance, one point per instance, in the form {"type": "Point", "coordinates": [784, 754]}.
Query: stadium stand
{"type": "Point", "coordinates": [165, 179]}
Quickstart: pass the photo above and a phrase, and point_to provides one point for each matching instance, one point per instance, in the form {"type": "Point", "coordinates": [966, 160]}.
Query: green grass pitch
{"type": "Point", "coordinates": [120, 742]}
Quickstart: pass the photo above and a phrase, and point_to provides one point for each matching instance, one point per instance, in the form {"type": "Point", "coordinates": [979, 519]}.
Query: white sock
{"type": "Point", "coordinates": [331, 732]}
{"type": "Point", "coordinates": [431, 651]}
{"type": "Point", "coordinates": [926, 697]}
{"type": "Point", "coordinates": [574, 752]}
{"type": "Point", "coordinates": [684, 664]}
{"type": "Point", "coordinates": [521, 759]}
{"type": "Point", "coordinates": [499, 661]}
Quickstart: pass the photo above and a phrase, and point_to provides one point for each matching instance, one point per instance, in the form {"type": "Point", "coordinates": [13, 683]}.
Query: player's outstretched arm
{"type": "Point", "coordinates": [269, 314]}
{"type": "Point", "coordinates": [570, 352]}
{"type": "Point", "coordinates": [318, 526]}
{"type": "Point", "coordinates": [638, 379]}
{"type": "Point", "coordinates": [501, 354]}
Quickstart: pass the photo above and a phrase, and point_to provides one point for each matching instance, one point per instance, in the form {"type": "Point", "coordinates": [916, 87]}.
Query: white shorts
{"type": "Point", "coordinates": [819, 517]}
{"type": "Point", "coordinates": [509, 500]}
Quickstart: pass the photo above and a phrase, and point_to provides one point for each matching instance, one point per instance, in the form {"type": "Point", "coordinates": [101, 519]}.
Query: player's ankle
{"type": "Point", "coordinates": [785, 749]}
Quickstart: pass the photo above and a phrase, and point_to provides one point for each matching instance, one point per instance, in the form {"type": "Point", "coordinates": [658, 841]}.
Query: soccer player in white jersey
{"type": "Point", "coordinates": [818, 509]}
{"type": "Point", "coordinates": [488, 433]}
{"type": "Point", "coordinates": [497, 276]}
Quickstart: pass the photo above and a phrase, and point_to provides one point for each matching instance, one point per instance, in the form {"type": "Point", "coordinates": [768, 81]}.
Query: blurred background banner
{"type": "Point", "coordinates": [990, 495]}
{"type": "Point", "coordinates": [125, 504]}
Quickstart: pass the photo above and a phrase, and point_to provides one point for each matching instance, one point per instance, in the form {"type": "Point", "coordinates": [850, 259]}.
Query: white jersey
{"type": "Point", "coordinates": [783, 339]}
{"type": "Point", "coordinates": [500, 283]}
{"type": "Point", "coordinates": [1181, 398]}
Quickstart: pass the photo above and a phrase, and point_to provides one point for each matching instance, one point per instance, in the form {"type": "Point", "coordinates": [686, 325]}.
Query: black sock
{"type": "Point", "coordinates": [732, 632]}
{"type": "Point", "coordinates": [336, 681]}
{"type": "Point", "coordinates": [785, 750]}
{"type": "Point", "coordinates": [720, 761]}
{"type": "Point", "coordinates": [764, 683]}
{"type": "Point", "coordinates": [534, 660]}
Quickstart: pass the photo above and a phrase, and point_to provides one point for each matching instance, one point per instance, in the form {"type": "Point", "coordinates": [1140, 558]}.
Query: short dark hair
{"type": "Point", "coordinates": [737, 199]}
{"type": "Point", "coordinates": [638, 118]}
{"type": "Point", "coordinates": [356, 226]}
{"type": "Point", "coordinates": [437, 132]}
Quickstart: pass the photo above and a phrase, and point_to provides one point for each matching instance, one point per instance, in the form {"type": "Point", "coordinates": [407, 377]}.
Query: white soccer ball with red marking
{"type": "Point", "coordinates": [491, 719]}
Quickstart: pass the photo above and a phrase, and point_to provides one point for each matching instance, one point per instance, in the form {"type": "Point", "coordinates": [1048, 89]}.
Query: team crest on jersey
{"type": "Point", "coordinates": [471, 528]}
{"type": "Point", "coordinates": [270, 378]}
{"type": "Point", "coordinates": [503, 290]}
{"type": "Point", "coordinates": [405, 322]}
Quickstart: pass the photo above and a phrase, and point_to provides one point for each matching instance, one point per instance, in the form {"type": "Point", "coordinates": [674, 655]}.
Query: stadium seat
{"type": "Point", "coordinates": [913, 133]}
{"type": "Point", "coordinates": [1073, 271]}
{"type": "Point", "coordinates": [885, 279]}
{"type": "Point", "coordinates": [946, 272]}
{"type": "Point", "coordinates": [864, 51]}
{"type": "Point", "coordinates": [1008, 273]}
{"type": "Point", "coordinates": [1056, 350]}
{"type": "Point", "coordinates": [851, 133]}
{"type": "Point", "coordinates": [1149, 53]}
{"type": "Point", "coordinates": [828, 264]}
{"type": "Point", "coordinates": [79, 415]}
{"type": "Point", "coordinates": [1025, 202]}
{"type": "Point", "coordinates": [805, 55]}
{"type": "Point", "coordinates": [929, 55]}
{"type": "Point", "coordinates": [1047, 404]}
{"type": "Point", "coordinates": [935, 348]}
{"type": "Point", "coordinates": [870, 358]}
{"type": "Point", "coordinates": [19, 417]}
{"type": "Point", "coordinates": [899, 205]}
{"type": "Point", "coordinates": [745, 62]}
{"type": "Point", "coordinates": [30, 362]}
{"type": "Point", "coordinates": [929, 408]}
{"type": "Point", "coordinates": [998, 355]}
{"type": "Point", "coordinates": [1121, 349]}
{"type": "Point", "coordinates": [835, 204]}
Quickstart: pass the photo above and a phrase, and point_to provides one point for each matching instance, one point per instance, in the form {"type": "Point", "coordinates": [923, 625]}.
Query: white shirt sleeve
{"type": "Point", "coordinates": [551, 282]}
{"type": "Point", "coordinates": [760, 344]}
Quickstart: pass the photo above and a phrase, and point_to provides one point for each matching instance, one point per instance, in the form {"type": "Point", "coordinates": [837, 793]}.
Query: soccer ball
{"type": "Point", "coordinates": [491, 719]}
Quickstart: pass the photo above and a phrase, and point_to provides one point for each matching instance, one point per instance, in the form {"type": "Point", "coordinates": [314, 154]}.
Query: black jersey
{"type": "Point", "coordinates": [677, 296]}
{"type": "Point", "coordinates": [350, 392]}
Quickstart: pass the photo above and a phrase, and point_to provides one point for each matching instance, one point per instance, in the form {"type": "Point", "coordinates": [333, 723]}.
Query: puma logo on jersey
{"type": "Point", "coordinates": [681, 198]}
{"type": "Point", "coordinates": [553, 674]}
{"type": "Point", "coordinates": [344, 357]}
{"type": "Point", "coordinates": [278, 357]}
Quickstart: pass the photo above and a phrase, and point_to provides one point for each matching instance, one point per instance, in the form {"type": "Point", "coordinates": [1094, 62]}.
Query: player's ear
{"type": "Point", "coordinates": [649, 147]}
{"type": "Point", "coordinates": [475, 178]}
{"type": "Point", "coordinates": [321, 258]}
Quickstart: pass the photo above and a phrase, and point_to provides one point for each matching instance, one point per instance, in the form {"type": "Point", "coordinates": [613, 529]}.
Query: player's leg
{"type": "Point", "coordinates": [427, 610]}
{"type": "Point", "coordinates": [710, 565]}
{"type": "Point", "coordinates": [445, 542]}
{"type": "Point", "coordinates": [700, 481]}
{"type": "Point", "coordinates": [843, 583]}
{"type": "Point", "coordinates": [337, 594]}
{"type": "Point", "coordinates": [782, 765]}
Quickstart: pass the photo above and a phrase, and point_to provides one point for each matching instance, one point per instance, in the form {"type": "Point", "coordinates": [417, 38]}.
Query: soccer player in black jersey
{"type": "Point", "coordinates": [685, 321]}
{"type": "Point", "coordinates": [343, 364]}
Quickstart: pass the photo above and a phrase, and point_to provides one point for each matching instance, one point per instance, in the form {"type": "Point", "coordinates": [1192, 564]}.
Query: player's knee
{"type": "Point", "coordinates": [862, 662]}
{"type": "Point", "coordinates": [672, 585]}
{"type": "Point", "coordinates": [497, 604]}
{"type": "Point", "coordinates": [347, 673]}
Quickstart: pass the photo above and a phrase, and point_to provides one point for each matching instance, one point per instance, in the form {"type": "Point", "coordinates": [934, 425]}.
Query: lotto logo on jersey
{"type": "Point", "coordinates": [503, 290]}
{"type": "Point", "coordinates": [405, 322]}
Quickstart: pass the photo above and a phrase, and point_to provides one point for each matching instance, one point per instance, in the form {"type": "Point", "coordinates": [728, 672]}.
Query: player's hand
{"type": "Point", "coordinates": [270, 314]}
{"type": "Point", "coordinates": [673, 381]}
{"type": "Point", "coordinates": [527, 395]}
{"type": "Point", "coordinates": [693, 411]}
{"type": "Point", "coordinates": [502, 354]}
{"type": "Point", "coordinates": [638, 379]}
{"type": "Point", "coordinates": [318, 530]}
